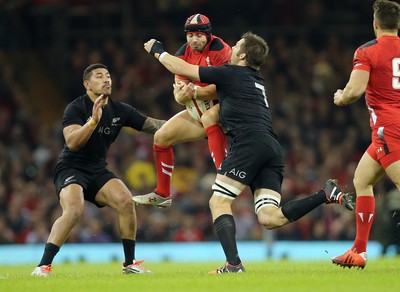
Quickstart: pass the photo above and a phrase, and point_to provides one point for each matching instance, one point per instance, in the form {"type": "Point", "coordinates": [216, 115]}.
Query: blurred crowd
{"type": "Point", "coordinates": [302, 72]}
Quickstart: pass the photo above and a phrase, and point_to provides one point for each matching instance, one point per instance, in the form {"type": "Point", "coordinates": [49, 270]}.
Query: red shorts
{"type": "Point", "coordinates": [385, 146]}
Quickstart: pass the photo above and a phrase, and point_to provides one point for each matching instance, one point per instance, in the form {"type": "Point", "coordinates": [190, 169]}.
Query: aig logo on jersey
{"type": "Point", "coordinates": [239, 173]}
{"type": "Point", "coordinates": [104, 130]}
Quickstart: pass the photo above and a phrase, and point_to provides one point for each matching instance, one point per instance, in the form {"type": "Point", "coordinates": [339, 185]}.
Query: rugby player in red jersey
{"type": "Point", "coordinates": [203, 49]}
{"type": "Point", "coordinates": [376, 71]}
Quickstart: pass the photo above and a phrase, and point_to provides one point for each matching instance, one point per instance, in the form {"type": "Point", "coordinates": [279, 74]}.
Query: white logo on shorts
{"type": "Point", "coordinates": [68, 179]}
{"type": "Point", "coordinates": [238, 173]}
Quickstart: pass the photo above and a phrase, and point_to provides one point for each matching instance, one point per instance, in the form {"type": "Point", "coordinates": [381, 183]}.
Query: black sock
{"type": "Point", "coordinates": [50, 251]}
{"type": "Point", "coordinates": [296, 209]}
{"type": "Point", "coordinates": [129, 250]}
{"type": "Point", "coordinates": [226, 230]}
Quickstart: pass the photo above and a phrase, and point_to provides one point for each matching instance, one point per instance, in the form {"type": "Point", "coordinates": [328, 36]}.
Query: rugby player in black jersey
{"type": "Point", "coordinates": [255, 157]}
{"type": "Point", "coordinates": [91, 123]}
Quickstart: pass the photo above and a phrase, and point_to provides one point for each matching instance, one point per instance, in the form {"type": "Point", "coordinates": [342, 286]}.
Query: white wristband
{"type": "Point", "coordinates": [195, 91]}
{"type": "Point", "coordinates": [163, 54]}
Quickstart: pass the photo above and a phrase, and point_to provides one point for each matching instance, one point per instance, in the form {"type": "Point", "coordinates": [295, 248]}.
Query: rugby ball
{"type": "Point", "coordinates": [196, 108]}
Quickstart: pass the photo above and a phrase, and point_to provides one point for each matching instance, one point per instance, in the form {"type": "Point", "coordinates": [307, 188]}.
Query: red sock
{"type": "Point", "coordinates": [365, 211]}
{"type": "Point", "coordinates": [216, 144]}
{"type": "Point", "coordinates": [164, 162]}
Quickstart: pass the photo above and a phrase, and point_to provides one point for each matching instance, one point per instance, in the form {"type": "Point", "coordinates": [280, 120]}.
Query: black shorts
{"type": "Point", "coordinates": [256, 160]}
{"type": "Point", "coordinates": [90, 181]}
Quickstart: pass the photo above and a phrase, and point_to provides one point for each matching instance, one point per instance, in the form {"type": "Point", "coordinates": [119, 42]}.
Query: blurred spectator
{"type": "Point", "coordinates": [94, 232]}
{"type": "Point", "coordinates": [188, 230]}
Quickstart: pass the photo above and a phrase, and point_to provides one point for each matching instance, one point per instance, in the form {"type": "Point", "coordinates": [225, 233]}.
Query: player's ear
{"type": "Point", "coordinates": [86, 84]}
{"type": "Point", "coordinates": [375, 24]}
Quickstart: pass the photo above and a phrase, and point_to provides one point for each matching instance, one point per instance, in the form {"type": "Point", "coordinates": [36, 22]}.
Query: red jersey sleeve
{"type": "Point", "coordinates": [361, 60]}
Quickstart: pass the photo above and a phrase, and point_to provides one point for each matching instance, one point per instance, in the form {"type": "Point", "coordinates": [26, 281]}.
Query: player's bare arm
{"type": "Point", "coordinates": [151, 125]}
{"type": "Point", "coordinates": [354, 89]}
{"type": "Point", "coordinates": [76, 136]}
{"type": "Point", "coordinates": [174, 64]}
{"type": "Point", "coordinates": [208, 92]}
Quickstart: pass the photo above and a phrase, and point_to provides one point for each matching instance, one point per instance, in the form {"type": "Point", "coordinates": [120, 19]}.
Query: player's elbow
{"type": "Point", "coordinates": [73, 145]}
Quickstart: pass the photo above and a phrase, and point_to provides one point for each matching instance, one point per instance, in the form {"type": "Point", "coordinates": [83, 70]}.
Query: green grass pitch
{"type": "Point", "coordinates": [379, 275]}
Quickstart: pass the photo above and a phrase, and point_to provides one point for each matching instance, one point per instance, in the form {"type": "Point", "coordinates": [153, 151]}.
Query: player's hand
{"type": "Point", "coordinates": [177, 92]}
{"type": "Point", "coordinates": [337, 98]}
{"type": "Point", "coordinates": [148, 45]}
{"type": "Point", "coordinates": [98, 105]}
{"type": "Point", "coordinates": [178, 85]}
{"type": "Point", "coordinates": [188, 91]}
{"type": "Point", "coordinates": [154, 47]}
{"type": "Point", "coordinates": [183, 92]}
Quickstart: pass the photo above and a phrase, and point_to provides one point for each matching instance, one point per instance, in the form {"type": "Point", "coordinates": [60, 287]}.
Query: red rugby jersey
{"type": "Point", "coordinates": [381, 58]}
{"type": "Point", "coordinates": [216, 53]}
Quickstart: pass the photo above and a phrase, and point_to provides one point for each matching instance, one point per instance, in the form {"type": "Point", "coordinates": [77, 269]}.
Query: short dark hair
{"type": "Point", "coordinates": [255, 48]}
{"type": "Point", "coordinates": [88, 71]}
{"type": "Point", "coordinates": [387, 13]}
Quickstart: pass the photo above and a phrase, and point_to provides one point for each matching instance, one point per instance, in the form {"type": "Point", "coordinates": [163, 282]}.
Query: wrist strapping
{"type": "Point", "coordinates": [92, 123]}
{"type": "Point", "coordinates": [157, 49]}
{"type": "Point", "coordinates": [162, 55]}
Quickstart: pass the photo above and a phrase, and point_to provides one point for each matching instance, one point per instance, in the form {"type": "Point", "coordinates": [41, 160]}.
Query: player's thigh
{"type": "Point", "coordinates": [211, 117]}
{"type": "Point", "coordinates": [180, 128]}
{"type": "Point", "coordinates": [393, 171]}
{"type": "Point", "coordinates": [72, 199]}
{"type": "Point", "coordinates": [114, 194]}
{"type": "Point", "coordinates": [367, 174]}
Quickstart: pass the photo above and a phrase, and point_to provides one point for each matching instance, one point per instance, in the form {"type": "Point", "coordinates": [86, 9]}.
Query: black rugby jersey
{"type": "Point", "coordinates": [115, 116]}
{"type": "Point", "coordinates": [242, 96]}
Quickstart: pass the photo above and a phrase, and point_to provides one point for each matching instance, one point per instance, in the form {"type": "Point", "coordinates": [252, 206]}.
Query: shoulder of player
{"type": "Point", "coordinates": [118, 105]}
{"type": "Point", "coordinates": [181, 51]}
{"type": "Point", "coordinates": [368, 44]}
{"type": "Point", "coordinates": [80, 99]}
{"type": "Point", "coordinates": [118, 109]}
{"type": "Point", "coordinates": [217, 44]}
{"type": "Point", "coordinates": [78, 103]}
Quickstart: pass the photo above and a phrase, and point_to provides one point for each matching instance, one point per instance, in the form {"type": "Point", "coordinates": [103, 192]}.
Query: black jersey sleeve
{"type": "Point", "coordinates": [215, 75]}
{"type": "Point", "coordinates": [133, 118]}
{"type": "Point", "coordinates": [73, 115]}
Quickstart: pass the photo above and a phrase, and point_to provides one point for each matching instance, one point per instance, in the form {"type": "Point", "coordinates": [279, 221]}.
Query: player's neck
{"type": "Point", "coordinates": [380, 33]}
{"type": "Point", "coordinates": [91, 95]}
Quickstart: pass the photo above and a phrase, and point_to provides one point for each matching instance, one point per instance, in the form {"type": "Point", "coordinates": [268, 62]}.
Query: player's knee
{"type": "Point", "coordinates": [267, 223]}
{"type": "Point", "coordinates": [270, 217]}
{"type": "Point", "coordinates": [213, 202]}
{"type": "Point", "coordinates": [74, 213]}
{"type": "Point", "coordinates": [162, 137]}
{"type": "Point", "coordinates": [360, 184]}
{"type": "Point", "coordinates": [124, 203]}
{"type": "Point", "coordinates": [209, 118]}
{"type": "Point", "coordinates": [218, 203]}
{"type": "Point", "coordinates": [266, 220]}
